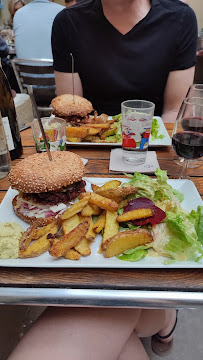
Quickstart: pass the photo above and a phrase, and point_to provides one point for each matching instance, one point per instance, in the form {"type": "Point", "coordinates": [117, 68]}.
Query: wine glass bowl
{"type": "Point", "coordinates": [187, 139]}
{"type": "Point", "coordinates": [195, 90]}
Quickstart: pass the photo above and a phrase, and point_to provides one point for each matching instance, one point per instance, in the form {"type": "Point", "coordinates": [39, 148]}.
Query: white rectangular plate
{"type": "Point", "coordinates": [166, 141]}
{"type": "Point", "coordinates": [95, 260]}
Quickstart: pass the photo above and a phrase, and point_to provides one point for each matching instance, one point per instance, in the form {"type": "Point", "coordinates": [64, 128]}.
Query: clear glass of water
{"type": "Point", "coordinates": [137, 118]}
{"type": "Point", "coordinates": [55, 131]}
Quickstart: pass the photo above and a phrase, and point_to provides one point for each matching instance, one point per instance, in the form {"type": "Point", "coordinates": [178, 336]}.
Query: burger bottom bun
{"type": "Point", "coordinates": [29, 219]}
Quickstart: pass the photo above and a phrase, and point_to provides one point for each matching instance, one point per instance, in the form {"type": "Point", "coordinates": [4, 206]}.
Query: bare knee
{"type": "Point", "coordinates": [151, 321]}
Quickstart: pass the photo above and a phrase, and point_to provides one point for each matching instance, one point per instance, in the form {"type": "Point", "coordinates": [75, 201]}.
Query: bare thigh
{"type": "Point", "coordinates": [78, 333]}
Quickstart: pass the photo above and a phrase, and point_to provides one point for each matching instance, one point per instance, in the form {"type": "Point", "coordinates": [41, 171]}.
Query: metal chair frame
{"type": "Point", "coordinates": [38, 73]}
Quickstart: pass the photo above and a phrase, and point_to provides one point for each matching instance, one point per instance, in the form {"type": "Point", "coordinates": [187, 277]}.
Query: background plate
{"type": "Point", "coordinates": [95, 260]}
{"type": "Point", "coordinates": [166, 141]}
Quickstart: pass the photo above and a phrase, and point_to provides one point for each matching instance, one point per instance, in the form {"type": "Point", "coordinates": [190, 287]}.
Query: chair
{"type": "Point", "coordinates": [40, 74]}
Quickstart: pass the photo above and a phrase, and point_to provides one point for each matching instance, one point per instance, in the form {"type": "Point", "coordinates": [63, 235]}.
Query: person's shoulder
{"type": "Point", "coordinates": [81, 7]}
{"type": "Point", "coordinates": [75, 11]}
{"type": "Point", "coordinates": [178, 7]}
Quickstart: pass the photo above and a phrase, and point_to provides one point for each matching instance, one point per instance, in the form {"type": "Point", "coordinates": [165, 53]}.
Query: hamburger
{"type": "Point", "coordinates": [75, 110]}
{"type": "Point", "coordinates": [46, 187]}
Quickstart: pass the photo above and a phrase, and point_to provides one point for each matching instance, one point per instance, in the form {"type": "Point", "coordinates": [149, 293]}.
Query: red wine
{"type": "Point", "coordinates": [194, 124]}
{"type": "Point", "coordinates": [188, 144]}
{"type": "Point", "coordinates": [9, 118]}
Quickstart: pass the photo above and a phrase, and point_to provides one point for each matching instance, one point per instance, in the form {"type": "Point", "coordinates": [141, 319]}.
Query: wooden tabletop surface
{"type": "Point", "coordinates": [125, 279]}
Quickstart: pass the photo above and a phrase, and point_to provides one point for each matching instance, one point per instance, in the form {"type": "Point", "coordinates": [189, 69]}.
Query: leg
{"type": "Point", "coordinates": [161, 323]}
{"type": "Point", "coordinates": [78, 333]}
{"type": "Point", "coordinates": [155, 321]}
{"type": "Point", "coordinates": [133, 349]}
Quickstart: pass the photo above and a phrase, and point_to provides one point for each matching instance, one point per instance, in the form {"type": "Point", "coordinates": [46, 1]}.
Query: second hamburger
{"type": "Point", "coordinates": [75, 110]}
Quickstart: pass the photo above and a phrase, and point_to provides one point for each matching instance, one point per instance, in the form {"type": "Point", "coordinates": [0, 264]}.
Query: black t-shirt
{"type": "Point", "coordinates": [115, 67]}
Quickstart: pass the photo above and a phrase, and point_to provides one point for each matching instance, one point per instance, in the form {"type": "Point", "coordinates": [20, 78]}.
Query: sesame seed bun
{"type": "Point", "coordinates": [37, 174]}
{"type": "Point", "coordinates": [64, 105]}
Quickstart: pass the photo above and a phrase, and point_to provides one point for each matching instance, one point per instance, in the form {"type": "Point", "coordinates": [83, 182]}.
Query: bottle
{"type": "Point", "coordinates": [4, 152]}
{"type": "Point", "coordinates": [9, 118]}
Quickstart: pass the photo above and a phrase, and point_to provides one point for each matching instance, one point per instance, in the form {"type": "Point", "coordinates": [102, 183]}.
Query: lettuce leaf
{"type": "Point", "coordinates": [197, 218]}
{"type": "Point", "coordinates": [155, 130]}
{"type": "Point", "coordinates": [134, 254]}
{"type": "Point", "coordinates": [182, 242]}
{"type": "Point", "coordinates": [158, 190]}
{"type": "Point", "coordinates": [117, 137]}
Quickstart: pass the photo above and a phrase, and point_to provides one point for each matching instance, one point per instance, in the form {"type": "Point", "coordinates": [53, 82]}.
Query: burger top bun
{"type": "Point", "coordinates": [36, 173]}
{"type": "Point", "coordinates": [64, 105]}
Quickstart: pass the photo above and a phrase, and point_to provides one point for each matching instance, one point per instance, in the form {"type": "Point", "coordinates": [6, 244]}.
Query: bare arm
{"type": "Point", "coordinates": [64, 83]}
{"type": "Point", "coordinates": [176, 89]}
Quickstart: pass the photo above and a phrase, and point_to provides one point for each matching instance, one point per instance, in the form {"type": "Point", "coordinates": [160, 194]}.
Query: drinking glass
{"type": "Point", "coordinates": [187, 139]}
{"type": "Point", "coordinates": [137, 118]}
{"type": "Point", "coordinates": [55, 131]}
{"type": "Point", "coordinates": [195, 90]}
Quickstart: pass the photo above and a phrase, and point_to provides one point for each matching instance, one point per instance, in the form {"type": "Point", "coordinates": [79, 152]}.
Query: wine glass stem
{"type": "Point", "coordinates": [184, 169]}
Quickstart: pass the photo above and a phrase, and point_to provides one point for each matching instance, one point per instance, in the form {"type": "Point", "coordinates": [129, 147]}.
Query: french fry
{"type": "Point", "coordinates": [69, 240]}
{"type": "Point", "coordinates": [77, 132]}
{"type": "Point", "coordinates": [109, 132]}
{"type": "Point", "coordinates": [41, 245]}
{"type": "Point", "coordinates": [69, 224]}
{"type": "Point", "coordinates": [90, 210]}
{"type": "Point", "coordinates": [123, 203]}
{"type": "Point", "coordinates": [93, 131]}
{"type": "Point", "coordinates": [125, 240]}
{"type": "Point", "coordinates": [27, 237]}
{"type": "Point", "coordinates": [117, 194]}
{"type": "Point", "coordinates": [84, 195]}
{"type": "Point", "coordinates": [135, 214]}
{"type": "Point", "coordinates": [90, 235]}
{"type": "Point", "coordinates": [83, 247]}
{"type": "Point", "coordinates": [113, 184]}
{"type": "Point", "coordinates": [103, 202]}
{"type": "Point", "coordinates": [94, 187]}
{"type": "Point", "coordinates": [102, 126]}
{"type": "Point", "coordinates": [99, 225]}
{"type": "Point", "coordinates": [73, 139]}
{"type": "Point", "coordinates": [111, 225]}
{"type": "Point", "coordinates": [72, 255]}
{"type": "Point", "coordinates": [37, 248]}
{"type": "Point", "coordinates": [75, 209]}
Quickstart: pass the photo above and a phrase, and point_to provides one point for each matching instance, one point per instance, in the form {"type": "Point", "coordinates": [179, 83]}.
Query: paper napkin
{"type": "Point", "coordinates": [117, 165]}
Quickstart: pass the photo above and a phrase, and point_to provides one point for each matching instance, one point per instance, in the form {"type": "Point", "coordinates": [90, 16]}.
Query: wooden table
{"type": "Point", "coordinates": [103, 287]}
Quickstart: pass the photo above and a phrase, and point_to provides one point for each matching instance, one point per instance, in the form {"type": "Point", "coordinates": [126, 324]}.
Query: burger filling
{"type": "Point", "coordinates": [55, 197]}
{"type": "Point", "coordinates": [75, 120]}
{"type": "Point", "coordinates": [32, 205]}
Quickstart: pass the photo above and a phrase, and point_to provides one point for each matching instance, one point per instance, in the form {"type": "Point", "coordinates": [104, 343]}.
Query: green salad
{"type": "Point", "coordinates": [117, 137]}
{"type": "Point", "coordinates": [180, 235]}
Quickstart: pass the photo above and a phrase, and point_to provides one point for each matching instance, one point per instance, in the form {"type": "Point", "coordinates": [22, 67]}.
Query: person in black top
{"type": "Point", "coordinates": [126, 50]}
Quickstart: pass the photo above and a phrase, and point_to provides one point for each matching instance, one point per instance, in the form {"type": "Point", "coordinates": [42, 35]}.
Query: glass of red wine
{"type": "Point", "coordinates": [195, 90]}
{"type": "Point", "coordinates": [187, 139]}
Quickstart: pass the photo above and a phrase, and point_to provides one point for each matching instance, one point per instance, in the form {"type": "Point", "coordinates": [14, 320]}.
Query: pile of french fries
{"type": "Point", "coordinates": [70, 235]}
{"type": "Point", "coordinates": [96, 130]}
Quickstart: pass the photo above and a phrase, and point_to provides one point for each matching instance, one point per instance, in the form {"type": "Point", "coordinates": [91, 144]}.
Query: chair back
{"type": "Point", "coordinates": [40, 74]}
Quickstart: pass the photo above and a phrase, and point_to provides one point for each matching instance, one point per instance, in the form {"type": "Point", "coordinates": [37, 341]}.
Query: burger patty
{"type": "Point", "coordinates": [75, 120]}
{"type": "Point", "coordinates": [56, 197]}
